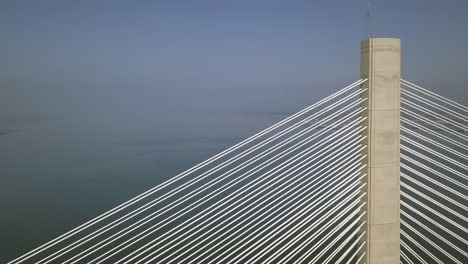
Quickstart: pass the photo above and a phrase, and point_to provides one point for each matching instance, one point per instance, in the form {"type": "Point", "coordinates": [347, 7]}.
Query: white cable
{"type": "Point", "coordinates": [343, 244]}
{"type": "Point", "coordinates": [439, 155]}
{"type": "Point", "coordinates": [221, 224]}
{"type": "Point", "coordinates": [281, 228]}
{"type": "Point", "coordinates": [261, 144]}
{"type": "Point", "coordinates": [435, 143]}
{"type": "Point", "coordinates": [431, 113]}
{"type": "Point", "coordinates": [434, 95]}
{"type": "Point", "coordinates": [284, 224]}
{"type": "Point", "coordinates": [441, 216]}
{"type": "Point", "coordinates": [438, 135]}
{"type": "Point", "coordinates": [351, 247]}
{"type": "Point", "coordinates": [440, 226]}
{"type": "Point", "coordinates": [432, 190]}
{"type": "Point", "coordinates": [276, 219]}
{"type": "Point", "coordinates": [306, 232]}
{"type": "Point", "coordinates": [428, 121]}
{"type": "Point", "coordinates": [233, 209]}
{"type": "Point", "coordinates": [402, 254]}
{"type": "Point", "coordinates": [357, 251]}
{"type": "Point", "coordinates": [443, 176]}
{"type": "Point", "coordinates": [361, 257]}
{"type": "Point", "coordinates": [305, 141]}
{"type": "Point", "coordinates": [450, 210]}
{"type": "Point", "coordinates": [420, 247]}
{"type": "Point", "coordinates": [313, 148]}
{"type": "Point", "coordinates": [427, 178]}
{"type": "Point", "coordinates": [268, 223]}
{"type": "Point", "coordinates": [109, 228]}
{"type": "Point", "coordinates": [219, 179]}
{"type": "Point", "coordinates": [416, 255]}
{"type": "Point", "coordinates": [434, 105]}
{"type": "Point", "coordinates": [220, 201]}
{"type": "Point", "coordinates": [320, 254]}
{"type": "Point", "coordinates": [225, 208]}
{"type": "Point", "coordinates": [190, 182]}
{"type": "Point", "coordinates": [441, 238]}
{"type": "Point", "coordinates": [312, 236]}
{"type": "Point", "coordinates": [132, 201]}
{"type": "Point", "coordinates": [256, 218]}
{"type": "Point", "coordinates": [429, 241]}
{"type": "Point", "coordinates": [434, 162]}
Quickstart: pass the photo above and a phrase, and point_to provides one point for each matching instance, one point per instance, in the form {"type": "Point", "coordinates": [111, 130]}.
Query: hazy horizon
{"type": "Point", "coordinates": [101, 100]}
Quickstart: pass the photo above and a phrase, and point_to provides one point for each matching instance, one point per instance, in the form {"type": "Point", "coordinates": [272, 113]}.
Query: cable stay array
{"type": "Point", "coordinates": [292, 193]}
{"type": "Point", "coordinates": [434, 177]}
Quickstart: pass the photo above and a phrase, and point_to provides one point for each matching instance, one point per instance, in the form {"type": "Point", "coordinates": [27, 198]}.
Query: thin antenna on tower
{"type": "Point", "coordinates": [369, 17]}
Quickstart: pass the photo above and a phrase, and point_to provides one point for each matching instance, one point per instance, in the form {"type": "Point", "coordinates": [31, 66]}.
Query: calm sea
{"type": "Point", "coordinates": [60, 170]}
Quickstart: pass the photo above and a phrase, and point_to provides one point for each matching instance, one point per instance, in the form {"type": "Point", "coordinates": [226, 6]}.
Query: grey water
{"type": "Point", "coordinates": [71, 152]}
{"type": "Point", "coordinates": [66, 157]}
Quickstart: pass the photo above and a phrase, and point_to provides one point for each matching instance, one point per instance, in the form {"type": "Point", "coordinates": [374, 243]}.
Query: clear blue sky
{"type": "Point", "coordinates": [247, 40]}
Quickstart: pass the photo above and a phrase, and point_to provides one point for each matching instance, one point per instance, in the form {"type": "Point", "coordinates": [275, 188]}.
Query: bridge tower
{"type": "Point", "coordinates": [380, 64]}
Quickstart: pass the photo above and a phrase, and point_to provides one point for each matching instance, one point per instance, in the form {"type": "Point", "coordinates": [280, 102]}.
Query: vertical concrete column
{"type": "Point", "coordinates": [380, 64]}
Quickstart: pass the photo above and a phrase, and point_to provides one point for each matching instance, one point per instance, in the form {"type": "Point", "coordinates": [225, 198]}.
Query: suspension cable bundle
{"type": "Point", "coordinates": [290, 193]}
{"type": "Point", "coordinates": [434, 177]}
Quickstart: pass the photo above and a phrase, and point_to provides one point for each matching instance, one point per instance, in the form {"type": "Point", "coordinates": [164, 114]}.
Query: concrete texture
{"type": "Point", "coordinates": [380, 63]}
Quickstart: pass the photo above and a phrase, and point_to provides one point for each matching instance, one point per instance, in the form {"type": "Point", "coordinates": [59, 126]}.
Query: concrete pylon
{"type": "Point", "coordinates": [380, 64]}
